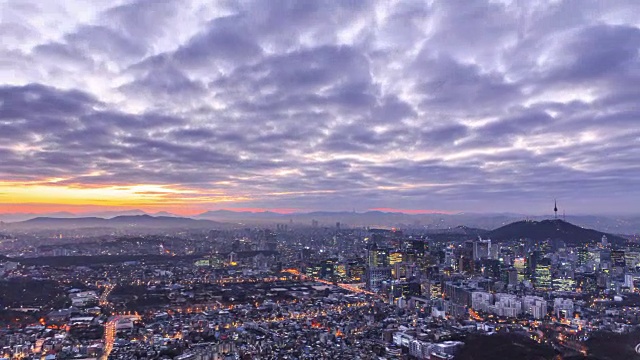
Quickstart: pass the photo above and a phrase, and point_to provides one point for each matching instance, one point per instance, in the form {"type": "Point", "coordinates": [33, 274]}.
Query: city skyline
{"type": "Point", "coordinates": [418, 107]}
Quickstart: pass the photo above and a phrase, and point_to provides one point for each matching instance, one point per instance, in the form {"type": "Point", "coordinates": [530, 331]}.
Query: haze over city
{"type": "Point", "coordinates": [434, 106]}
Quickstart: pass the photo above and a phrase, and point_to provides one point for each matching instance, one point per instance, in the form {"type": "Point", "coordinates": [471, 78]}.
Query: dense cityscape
{"type": "Point", "coordinates": [319, 291]}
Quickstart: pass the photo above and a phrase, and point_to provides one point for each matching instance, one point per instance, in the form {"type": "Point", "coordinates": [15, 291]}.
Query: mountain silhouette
{"type": "Point", "coordinates": [135, 221]}
{"type": "Point", "coordinates": [550, 229]}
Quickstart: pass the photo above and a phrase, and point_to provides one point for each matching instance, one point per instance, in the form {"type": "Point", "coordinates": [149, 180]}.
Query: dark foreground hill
{"type": "Point", "coordinates": [550, 229]}
{"type": "Point", "coordinates": [612, 346]}
{"type": "Point", "coordinates": [504, 346]}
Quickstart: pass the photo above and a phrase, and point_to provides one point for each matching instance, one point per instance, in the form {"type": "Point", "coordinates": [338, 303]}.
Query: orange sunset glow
{"type": "Point", "coordinates": [42, 197]}
{"type": "Point", "coordinates": [47, 197]}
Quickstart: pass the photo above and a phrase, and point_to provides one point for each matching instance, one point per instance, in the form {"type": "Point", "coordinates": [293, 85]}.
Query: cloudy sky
{"type": "Point", "coordinates": [301, 105]}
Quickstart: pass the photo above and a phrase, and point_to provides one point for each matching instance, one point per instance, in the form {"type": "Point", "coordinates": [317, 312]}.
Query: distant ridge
{"type": "Point", "coordinates": [128, 221]}
{"type": "Point", "coordinates": [550, 229]}
{"type": "Point", "coordinates": [473, 222]}
{"type": "Point", "coordinates": [431, 222]}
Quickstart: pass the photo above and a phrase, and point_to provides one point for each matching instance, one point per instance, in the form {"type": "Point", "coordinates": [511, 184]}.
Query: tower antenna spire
{"type": "Point", "coordinates": [555, 208]}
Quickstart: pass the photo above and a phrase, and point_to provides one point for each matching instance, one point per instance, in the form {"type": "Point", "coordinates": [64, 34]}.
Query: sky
{"type": "Point", "coordinates": [420, 106]}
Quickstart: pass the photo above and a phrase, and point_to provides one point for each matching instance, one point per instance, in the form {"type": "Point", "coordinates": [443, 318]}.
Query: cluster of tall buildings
{"type": "Point", "coordinates": [509, 305]}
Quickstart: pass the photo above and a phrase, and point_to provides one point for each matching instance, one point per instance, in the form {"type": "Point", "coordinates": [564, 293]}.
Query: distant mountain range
{"type": "Point", "coordinates": [15, 217]}
{"type": "Point", "coordinates": [430, 222]}
{"type": "Point", "coordinates": [119, 222]}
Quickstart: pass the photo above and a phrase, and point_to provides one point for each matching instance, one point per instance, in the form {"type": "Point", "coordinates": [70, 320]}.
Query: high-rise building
{"type": "Point", "coordinates": [269, 242]}
{"type": "Point", "coordinates": [405, 289]}
{"type": "Point", "coordinates": [356, 272]}
{"type": "Point", "coordinates": [632, 258]}
{"type": "Point", "coordinates": [458, 293]}
{"type": "Point", "coordinates": [534, 306]}
{"type": "Point", "coordinates": [466, 265]}
{"type": "Point", "coordinates": [583, 255]}
{"type": "Point", "coordinates": [435, 289]}
{"type": "Point", "coordinates": [376, 276]}
{"type": "Point", "coordinates": [603, 281]}
{"type": "Point", "coordinates": [341, 271]}
{"type": "Point", "coordinates": [628, 282]}
{"type": "Point", "coordinates": [491, 268]}
{"type": "Point", "coordinates": [378, 257]}
{"type": "Point", "coordinates": [410, 256]}
{"type": "Point", "coordinates": [533, 259]}
{"type": "Point", "coordinates": [542, 275]}
{"type": "Point", "coordinates": [481, 301]}
{"type": "Point", "coordinates": [586, 282]}
{"type": "Point", "coordinates": [563, 308]}
{"type": "Point", "coordinates": [313, 271]}
{"type": "Point", "coordinates": [507, 305]}
{"type": "Point", "coordinates": [381, 258]}
{"type": "Point", "coordinates": [520, 264]}
{"type": "Point", "coordinates": [419, 246]}
{"type": "Point", "coordinates": [618, 258]}
{"type": "Point", "coordinates": [512, 276]}
{"type": "Point", "coordinates": [327, 268]}
{"type": "Point", "coordinates": [481, 249]}
{"type": "Point", "coordinates": [395, 257]}
{"type": "Point", "coordinates": [566, 284]}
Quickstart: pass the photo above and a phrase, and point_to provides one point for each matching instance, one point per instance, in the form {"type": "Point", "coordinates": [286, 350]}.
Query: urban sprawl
{"type": "Point", "coordinates": [306, 292]}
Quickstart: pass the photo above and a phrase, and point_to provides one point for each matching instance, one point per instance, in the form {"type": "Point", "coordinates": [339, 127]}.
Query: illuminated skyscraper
{"type": "Point", "coordinates": [395, 257]}
{"type": "Point", "coordinates": [542, 275]}
{"type": "Point", "coordinates": [357, 272]}
{"type": "Point", "coordinates": [564, 284]}
{"type": "Point", "coordinates": [378, 257]}
{"type": "Point", "coordinates": [327, 268]}
{"type": "Point", "coordinates": [583, 255]}
{"type": "Point", "coordinates": [520, 264]}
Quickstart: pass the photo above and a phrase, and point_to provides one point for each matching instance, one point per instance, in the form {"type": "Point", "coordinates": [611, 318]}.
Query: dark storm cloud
{"type": "Point", "coordinates": [449, 104]}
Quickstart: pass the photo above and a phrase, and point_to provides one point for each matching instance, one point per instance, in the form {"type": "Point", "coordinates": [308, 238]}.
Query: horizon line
{"type": "Point", "coordinates": [281, 211]}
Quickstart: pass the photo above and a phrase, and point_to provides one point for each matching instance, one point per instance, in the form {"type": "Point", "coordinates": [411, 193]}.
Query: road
{"type": "Point", "coordinates": [109, 337]}
{"type": "Point", "coordinates": [110, 332]}
{"type": "Point", "coordinates": [109, 326]}
{"type": "Point", "coordinates": [105, 295]}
